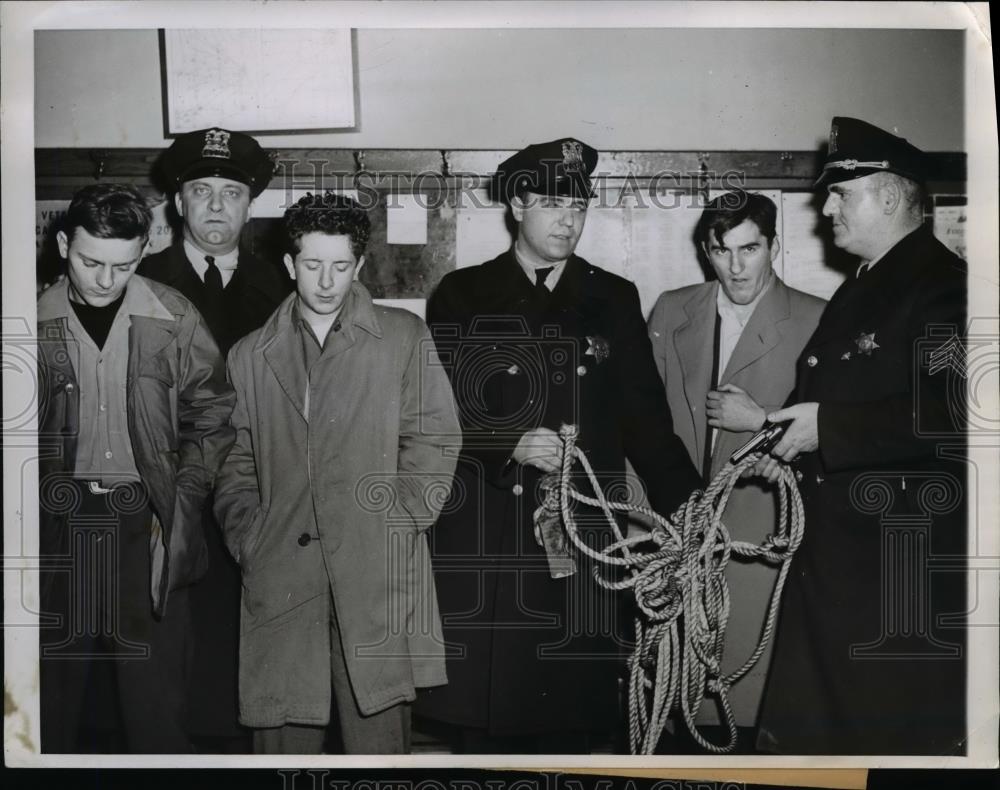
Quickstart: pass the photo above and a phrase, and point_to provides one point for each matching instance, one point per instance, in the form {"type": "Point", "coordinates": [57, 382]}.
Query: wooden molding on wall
{"type": "Point", "coordinates": [60, 171]}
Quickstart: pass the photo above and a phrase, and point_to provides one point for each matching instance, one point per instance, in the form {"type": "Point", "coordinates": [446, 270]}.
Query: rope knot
{"type": "Point", "coordinates": [568, 432]}
{"type": "Point", "coordinates": [680, 588]}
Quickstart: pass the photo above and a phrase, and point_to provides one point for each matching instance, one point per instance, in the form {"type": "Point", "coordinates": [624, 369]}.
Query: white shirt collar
{"type": "Point", "coordinates": [226, 264]}
{"type": "Point", "coordinates": [529, 271]}
{"type": "Point", "coordinates": [869, 264]}
{"type": "Point", "coordinates": [740, 312]}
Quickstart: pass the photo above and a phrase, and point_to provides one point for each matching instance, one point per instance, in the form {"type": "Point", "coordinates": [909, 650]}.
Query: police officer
{"type": "Point", "coordinates": [533, 339]}
{"type": "Point", "coordinates": [864, 663]}
{"type": "Point", "coordinates": [216, 174]}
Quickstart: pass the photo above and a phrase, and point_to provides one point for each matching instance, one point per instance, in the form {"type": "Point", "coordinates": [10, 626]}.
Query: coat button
{"type": "Point", "coordinates": [582, 370]}
{"type": "Point", "coordinates": [811, 361]}
{"type": "Point", "coordinates": [304, 539]}
{"type": "Point", "coordinates": [518, 489]}
{"type": "Point", "coordinates": [798, 476]}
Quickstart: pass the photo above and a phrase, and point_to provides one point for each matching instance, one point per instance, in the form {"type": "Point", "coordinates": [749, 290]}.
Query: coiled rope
{"type": "Point", "coordinates": [681, 592]}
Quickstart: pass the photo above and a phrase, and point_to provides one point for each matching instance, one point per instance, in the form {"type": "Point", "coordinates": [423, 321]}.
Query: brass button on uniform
{"type": "Point", "coordinates": [518, 489]}
{"type": "Point", "coordinates": [582, 370]}
{"type": "Point", "coordinates": [811, 361]}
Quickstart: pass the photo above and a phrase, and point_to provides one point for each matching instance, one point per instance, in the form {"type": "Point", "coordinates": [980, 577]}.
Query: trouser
{"type": "Point", "coordinates": [96, 606]}
{"type": "Point", "coordinates": [385, 732]}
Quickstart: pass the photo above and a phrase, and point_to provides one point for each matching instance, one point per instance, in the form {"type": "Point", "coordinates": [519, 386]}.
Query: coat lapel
{"type": "Point", "coordinates": [281, 346]}
{"type": "Point", "coordinates": [761, 334]}
{"type": "Point", "coordinates": [147, 337]}
{"type": "Point", "coordinates": [177, 271]}
{"type": "Point", "coordinates": [358, 315]}
{"type": "Point", "coordinates": [693, 344]}
{"type": "Point", "coordinates": [511, 289]}
{"type": "Point", "coordinates": [569, 291]}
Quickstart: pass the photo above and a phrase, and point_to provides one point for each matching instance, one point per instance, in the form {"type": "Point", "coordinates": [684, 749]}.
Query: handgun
{"type": "Point", "coordinates": [760, 442]}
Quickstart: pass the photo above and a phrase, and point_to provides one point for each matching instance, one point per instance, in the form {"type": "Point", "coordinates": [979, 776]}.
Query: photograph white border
{"type": "Point", "coordinates": [19, 21]}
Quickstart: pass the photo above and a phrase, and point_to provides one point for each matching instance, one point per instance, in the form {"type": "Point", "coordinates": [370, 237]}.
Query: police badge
{"type": "Point", "coordinates": [216, 144]}
{"type": "Point", "coordinates": [572, 152]}
{"type": "Point", "coordinates": [866, 343]}
{"type": "Point", "coordinates": [598, 348]}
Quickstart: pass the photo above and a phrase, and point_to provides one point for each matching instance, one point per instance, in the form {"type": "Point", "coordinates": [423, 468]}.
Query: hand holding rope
{"type": "Point", "coordinates": [681, 592]}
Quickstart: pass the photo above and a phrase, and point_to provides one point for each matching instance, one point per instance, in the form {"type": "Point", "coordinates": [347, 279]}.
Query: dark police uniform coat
{"type": "Point", "coordinates": [251, 296]}
{"type": "Point", "coordinates": [864, 663]}
{"type": "Point", "coordinates": [528, 654]}
{"type": "Point", "coordinates": [254, 292]}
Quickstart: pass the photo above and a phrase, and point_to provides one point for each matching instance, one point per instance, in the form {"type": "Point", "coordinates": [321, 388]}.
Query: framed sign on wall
{"type": "Point", "coordinates": [258, 80]}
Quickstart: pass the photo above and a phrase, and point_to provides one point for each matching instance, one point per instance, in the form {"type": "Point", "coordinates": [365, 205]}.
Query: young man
{"type": "Point", "coordinates": [343, 456]}
{"type": "Point", "coordinates": [215, 175]}
{"type": "Point", "coordinates": [134, 422]}
{"type": "Point", "coordinates": [533, 339]}
{"type": "Point", "coordinates": [726, 350]}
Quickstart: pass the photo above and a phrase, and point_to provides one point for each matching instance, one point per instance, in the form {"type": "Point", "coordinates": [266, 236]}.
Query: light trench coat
{"type": "Point", "coordinates": [332, 483]}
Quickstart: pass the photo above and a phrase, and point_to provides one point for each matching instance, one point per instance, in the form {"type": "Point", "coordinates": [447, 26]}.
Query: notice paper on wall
{"type": "Point", "coordinates": [47, 213]}
{"type": "Point", "coordinates": [949, 227]}
{"type": "Point", "coordinates": [259, 79]}
{"type": "Point", "coordinates": [406, 219]}
{"type": "Point", "coordinates": [480, 234]}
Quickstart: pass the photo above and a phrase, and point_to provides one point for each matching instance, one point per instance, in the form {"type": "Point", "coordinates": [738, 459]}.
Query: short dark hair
{"type": "Point", "coordinates": [330, 213]}
{"type": "Point", "coordinates": [732, 209]}
{"type": "Point", "coordinates": [109, 211]}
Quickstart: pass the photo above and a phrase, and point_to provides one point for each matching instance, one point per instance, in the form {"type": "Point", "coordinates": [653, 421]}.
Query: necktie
{"type": "Point", "coordinates": [213, 290]}
{"type": "Point", "coordinates": [540, 275]}
{"type": "Point", "coordinates": [706, 462]}
{"type": "Point", "coordinates": [213, 277]}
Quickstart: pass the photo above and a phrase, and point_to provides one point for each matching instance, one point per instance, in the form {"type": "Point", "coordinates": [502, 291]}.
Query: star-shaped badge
{"type": "Point", "coordinates": [866, 343]}
{"type": "Point", "coordinates": [598, 348]}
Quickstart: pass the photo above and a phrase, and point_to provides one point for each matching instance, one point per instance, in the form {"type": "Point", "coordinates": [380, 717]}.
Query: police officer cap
{"type": "Point", "coordinates": [220, 153]}
{"type": "Point", "coordinates": [558, 168]}
{"type": "Point", "coordinates": [859, 149]}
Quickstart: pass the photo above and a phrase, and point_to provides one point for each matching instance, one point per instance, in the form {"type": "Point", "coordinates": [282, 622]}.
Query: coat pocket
{"type": "Point", "coordinates": [158, 368]}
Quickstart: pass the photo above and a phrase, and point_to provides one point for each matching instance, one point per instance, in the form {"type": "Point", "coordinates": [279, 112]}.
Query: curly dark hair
{"type": "Point", "coordinates": [330, 213]}
{"type": "Point", "coordinates": [731, 209]}
{"type": "Point", "coordinates": [109, 211]}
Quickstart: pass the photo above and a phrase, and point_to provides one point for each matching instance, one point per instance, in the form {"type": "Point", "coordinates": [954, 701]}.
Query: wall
{"type": "Point", "coordinates": [656, 89]}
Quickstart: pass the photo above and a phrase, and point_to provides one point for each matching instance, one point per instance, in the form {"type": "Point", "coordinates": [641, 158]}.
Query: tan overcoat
{"type": "Point", "coordinates": [330, 487]}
